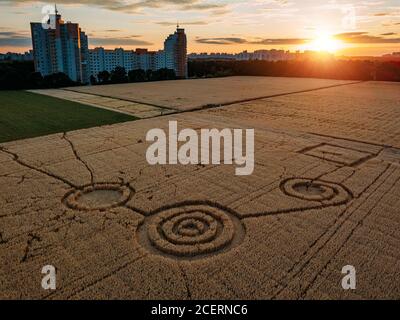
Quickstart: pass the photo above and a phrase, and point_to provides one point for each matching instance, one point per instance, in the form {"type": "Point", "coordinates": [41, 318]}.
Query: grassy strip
{"type": "Point", "coordinates": [27, 115]}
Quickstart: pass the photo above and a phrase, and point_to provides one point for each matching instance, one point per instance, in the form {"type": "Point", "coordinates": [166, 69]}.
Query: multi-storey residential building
{"type": "Point", "coordinates": [175, 47]}
{"type": "Point", "coordinates": [60, 47]}
{"type": "Point", "coordinates": [265, 55]}
{"type": "Point", "coordinates": [160, 60]}
{"type": "Point", "coordinates": [174, 56]}
{"type": "Point", "coordinates": [101, 59]}
{"type": "Point", "coordinates": [12, 56]}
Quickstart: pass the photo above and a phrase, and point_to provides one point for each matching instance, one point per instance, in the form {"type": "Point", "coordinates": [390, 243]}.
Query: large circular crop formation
{"type": "Point", "coordinates": [191, 231]}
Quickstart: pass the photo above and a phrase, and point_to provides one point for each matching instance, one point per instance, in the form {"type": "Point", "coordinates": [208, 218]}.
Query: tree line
{"type": "Point", "coordinates": [327, 69]}
{"type": "Point", "coordinates": [19, 75]}
{"type": "Point", "coordinates": [119, 75]}
{"type": "Point", "coordinates": [16, 75]}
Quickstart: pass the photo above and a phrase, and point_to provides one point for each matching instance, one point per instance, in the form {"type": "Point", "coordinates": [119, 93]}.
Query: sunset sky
{"type": "Point", "coordinates": [367, 27]}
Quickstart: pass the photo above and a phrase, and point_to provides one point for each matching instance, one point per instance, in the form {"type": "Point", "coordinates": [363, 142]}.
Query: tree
{"type": "Point", "coordinates": [104, 77]}
{"type": "Point", "coordinates": [35, 80]}
{"type": "Point", "coordinates": [17, 75]}
{"type": "Point", "coordinates": [58, 80]}
{"type": "Point", "coordinates": [149, 75]}
{"type": "Point", "coordinates": [167, 74]}
{"type": "Point", "coordinates": [118, 75]}
{"type": "Point", "coordinates": [93, 80]}
{"type": "Point", "coordinates": [12, 80]}
{"type": "Point", "coordinates": [137, 75]}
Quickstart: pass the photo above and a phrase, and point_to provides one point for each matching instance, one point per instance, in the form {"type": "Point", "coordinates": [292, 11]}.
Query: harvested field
{"type": "Point", "coordinates": [138, 110]}
{"type": "Point", "coordinates": [325, 194]}
{"type": "Point", "coordinates": [193, 94]}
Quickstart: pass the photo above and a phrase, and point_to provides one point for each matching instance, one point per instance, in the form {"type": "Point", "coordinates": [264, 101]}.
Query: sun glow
{"type": "Point", "coordinates": [324, 43]}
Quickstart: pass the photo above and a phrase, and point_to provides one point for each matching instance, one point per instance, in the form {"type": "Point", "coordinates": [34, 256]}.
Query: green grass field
{"type": "Point", "coordinates": [26, 115]}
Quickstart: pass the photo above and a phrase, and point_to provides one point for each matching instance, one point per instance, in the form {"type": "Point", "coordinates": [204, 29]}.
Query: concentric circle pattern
{"type": "Point", "coordinates": [100, 196]}
{"type": "Point", "coordinates": [312, 190]}
{"type": "Point", "coordinates": [191, 231]}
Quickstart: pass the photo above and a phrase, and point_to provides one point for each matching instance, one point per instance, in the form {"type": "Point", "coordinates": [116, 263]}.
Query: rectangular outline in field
{"type": "Point", "coordinates": [368, 155]}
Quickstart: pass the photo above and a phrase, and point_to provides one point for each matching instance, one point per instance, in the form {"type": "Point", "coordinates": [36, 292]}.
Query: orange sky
{"type": "Point", "coordinates": [362, 27]}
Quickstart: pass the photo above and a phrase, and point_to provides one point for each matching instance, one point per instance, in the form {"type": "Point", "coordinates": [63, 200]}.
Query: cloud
{"type": "Point", "coordinates": [185, 23]}
{"type": "Point", "coordinates": [230, 41]}
{"type": "Point", "coordinates": [14, 39]}
{"type": "Point", "coordinates": [281, 41]}
{"type": "Point", "coordinates": [364, 37]}
{"type": "Point", "coordinates": [222, 41]}
{"type": "Point", "coordinates": [122, 41]}
{"type": "Point", "coordinates": [11, 42]}
{"type": "Point", "coordinates": [390, 24]}
{"type": "Point", "coordinates": [131, 6]}
{"type": "Point", "coordinates": [22, 39]}
{"type": "Point", "coordinates": [203, 6]}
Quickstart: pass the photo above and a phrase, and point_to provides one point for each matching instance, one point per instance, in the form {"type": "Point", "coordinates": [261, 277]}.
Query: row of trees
{"type": "Point", "coordinates": [18, 75]}
{"type": "Point", "coordinates": [119, 75]}
{"type": "Point", "coordinates": [21, 75]}
{"type": "Point", "coordinates": [328, 69]}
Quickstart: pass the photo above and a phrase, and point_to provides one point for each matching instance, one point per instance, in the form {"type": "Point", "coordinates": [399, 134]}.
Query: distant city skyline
{"type": "Point", "coordinates": [360, 28]}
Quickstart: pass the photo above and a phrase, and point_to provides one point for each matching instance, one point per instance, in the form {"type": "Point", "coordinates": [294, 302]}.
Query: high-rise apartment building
{"type": "Point", "coordinates": [60, 47]}
{"type": "Point", "coordinates": [175, 48]}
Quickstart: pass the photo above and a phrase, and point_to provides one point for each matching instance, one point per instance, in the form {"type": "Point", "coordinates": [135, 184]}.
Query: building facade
{"type": "Point", "coordinates": [263, 55]}
{"type": "Point", "coordinates": [101, 59]}
{"type": "Point", "coordinates": [174, 56]}
{"type": "Point", "coordinates": [12, 56]}
{"type": "Point", "coordinates": [61, 47]}
{"type": "Point", "coordinates": [175, 48]}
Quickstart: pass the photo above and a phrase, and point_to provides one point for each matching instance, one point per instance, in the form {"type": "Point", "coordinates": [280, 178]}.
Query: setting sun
{"type": "Point", "coordinates": [324, 43]}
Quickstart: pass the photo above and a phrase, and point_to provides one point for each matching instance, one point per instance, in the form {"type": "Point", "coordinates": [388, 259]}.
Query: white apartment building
{"type": "Point", "coordinates": [174, 56]}
{"type": "Point", "coordinates": [101, 59]}
{"type": "Point", "coordinates": [264, 55]}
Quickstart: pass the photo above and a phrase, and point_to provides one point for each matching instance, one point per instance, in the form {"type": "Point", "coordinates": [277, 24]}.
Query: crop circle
{"type": "Point", "coordinates": [191, 231]}
{"type": "Point", "coordinates": [308, 189]}
{"type": "Point", "coordinates": [98, 197]}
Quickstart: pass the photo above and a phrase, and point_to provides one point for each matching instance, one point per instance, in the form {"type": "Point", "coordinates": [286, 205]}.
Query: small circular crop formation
{"type": "Point", "coordinates": [99, 196]}
{"type": "Point", "coordinates": [308, 189]}
{"type": "Point", "coordinates": [191, 231]}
